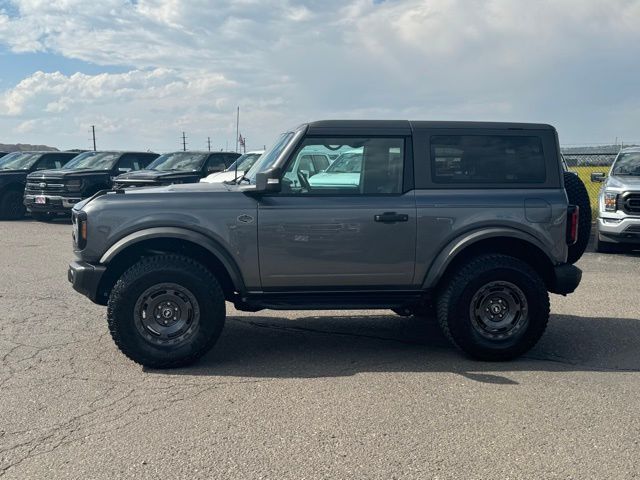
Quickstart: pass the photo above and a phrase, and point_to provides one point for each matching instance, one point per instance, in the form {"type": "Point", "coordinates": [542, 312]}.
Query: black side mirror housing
{"type": "Point", "coordinates": [598, 177]}
{"type": "Point", "coordinates": [268, 181]}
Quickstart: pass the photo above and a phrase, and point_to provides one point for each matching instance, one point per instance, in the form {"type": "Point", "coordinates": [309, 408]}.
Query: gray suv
{"type": "Point", "coordinates": [469, 221]}
{"type": "Point", "coordinates": [619, 203]}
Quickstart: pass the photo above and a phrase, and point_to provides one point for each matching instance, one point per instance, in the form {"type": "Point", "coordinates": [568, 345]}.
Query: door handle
{"type": "Point", "coordinates": [391, 217]}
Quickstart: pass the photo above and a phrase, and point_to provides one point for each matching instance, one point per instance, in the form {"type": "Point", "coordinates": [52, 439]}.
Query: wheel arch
{"type": "Point", "coordinates": [505, 241]}
{"type": "Point", "coordinates": [153, 241]}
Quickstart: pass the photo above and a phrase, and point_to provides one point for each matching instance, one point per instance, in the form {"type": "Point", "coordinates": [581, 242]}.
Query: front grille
{"type": "Point", "coordinates": [629, 203]}
{"type": "Point", "coordinates": [44, 188]}
{"type": "Point", "coordinates": [633, 229]}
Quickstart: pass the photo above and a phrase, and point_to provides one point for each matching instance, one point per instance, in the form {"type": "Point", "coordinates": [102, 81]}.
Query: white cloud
{"type": "Point", "coordinates": [189, 63]}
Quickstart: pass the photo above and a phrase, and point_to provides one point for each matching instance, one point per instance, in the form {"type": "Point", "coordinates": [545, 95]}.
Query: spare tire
{"type": "Point", "coordinates": [578, 195]}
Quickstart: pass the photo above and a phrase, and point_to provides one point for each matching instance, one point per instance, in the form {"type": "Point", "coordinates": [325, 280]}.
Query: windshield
{"type": "Point", "coordinates": [627, 164]}
{"type": "Point", "coordinates": [269, 156]}
{"type": "Point", "coordinates": [346, 163]}
{"type": "Point", "coordinates": [93, 160]}
{"type": "Point", "coordinates": [245, 162]}
{"type": "Point", "coordinates": [184, 161]}
{"type": "Point", "coordinates": [19, 161]}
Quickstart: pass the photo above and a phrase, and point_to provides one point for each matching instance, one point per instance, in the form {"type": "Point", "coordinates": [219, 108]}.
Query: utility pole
{"type": "Point", "coordinates": [184, 142]}
{"type": "Point", "coordinates": [237, 127]}
{"type": "Point", "coordinates": [93, 132]}
{"type": "Point", "coordinates": [209, 143]}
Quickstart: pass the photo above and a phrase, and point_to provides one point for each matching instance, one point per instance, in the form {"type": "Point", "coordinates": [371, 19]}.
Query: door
{"type": "Point", "coordinates": [350, 226]}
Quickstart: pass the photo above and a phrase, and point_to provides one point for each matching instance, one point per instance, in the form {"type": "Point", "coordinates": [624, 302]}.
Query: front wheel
{"type": "Point", "coordinates": [166, 311]}
{"type": "Point", "coordinates": [494, 308]}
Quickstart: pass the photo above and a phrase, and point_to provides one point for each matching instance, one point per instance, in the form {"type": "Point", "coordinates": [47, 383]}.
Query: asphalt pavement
{"type": "Point", "coordinates": [302, 395]}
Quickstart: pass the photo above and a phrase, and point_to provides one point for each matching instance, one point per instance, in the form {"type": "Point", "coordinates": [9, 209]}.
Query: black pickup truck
{"type": "Point", "coordinates": [177, 167]}
{"type": "Point", "coordinates": [51, 192]}
{"type": "Point", "coordinates": [14, 169]}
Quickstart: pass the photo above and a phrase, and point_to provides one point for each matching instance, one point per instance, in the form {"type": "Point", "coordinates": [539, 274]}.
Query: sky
{"type": "Point", "coordinates": [144, 71]}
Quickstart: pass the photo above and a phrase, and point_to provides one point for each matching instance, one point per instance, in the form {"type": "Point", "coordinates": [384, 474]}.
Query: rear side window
{"type": "Point", "coordinates": [486, 159]}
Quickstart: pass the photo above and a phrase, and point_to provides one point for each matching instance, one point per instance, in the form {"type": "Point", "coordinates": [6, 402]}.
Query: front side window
{"type": "Point", "coordinates": [52, 161]}
{"type": "Point", "coordinates": [487, 159]}
{"type": "Point", "coordinates": [361, 166]}
{"type": "Point", "coordinates": [627, 164]}
{"type": "Point", "coordinates": [215, 163]}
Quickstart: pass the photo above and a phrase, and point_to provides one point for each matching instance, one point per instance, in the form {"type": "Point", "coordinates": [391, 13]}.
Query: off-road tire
{"type": "Point", "coordinates": [145, 274]}
{"type": "Point", "coordinates": [578, 195]}
{"type": "Point", "coordinates": [454, 304]}
{"type": "Point", "coordinates": [11, 206]}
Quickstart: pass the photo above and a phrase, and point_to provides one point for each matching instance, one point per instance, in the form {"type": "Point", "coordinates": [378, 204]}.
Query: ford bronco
{"type": "Point", "coordinates": [471, 219]}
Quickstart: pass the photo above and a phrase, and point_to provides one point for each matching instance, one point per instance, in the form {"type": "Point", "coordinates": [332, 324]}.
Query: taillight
{"type": "Point", "coordinates": [573, 215]}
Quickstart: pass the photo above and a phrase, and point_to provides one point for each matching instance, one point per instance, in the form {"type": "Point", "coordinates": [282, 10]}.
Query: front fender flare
{"type": "Point", "coordinates": [457, 245]}
{"type": "Point", "coordinates": [178, 233]}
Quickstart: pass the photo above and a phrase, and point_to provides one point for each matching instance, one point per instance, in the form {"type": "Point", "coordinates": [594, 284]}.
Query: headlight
{"type": "Point", "coordinates": [74, 185]}
{"type": "Point", "coordinates": [610, 201]}
{"type": "Point", "coordinates": [79, 232]}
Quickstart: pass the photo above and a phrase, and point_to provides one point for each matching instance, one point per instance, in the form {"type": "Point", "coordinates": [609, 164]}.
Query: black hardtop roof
{"type": "Point", "coordinates": [406, 126]}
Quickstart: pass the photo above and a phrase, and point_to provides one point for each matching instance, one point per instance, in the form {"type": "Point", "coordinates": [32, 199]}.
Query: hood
{"type": "Point", "coordinates": [219, 177]}
{"type": "Point", "coordinates": [144, 194]}
{"type": "Point", "coordinates": [65, 173]}
{"type": "Point", "coordinates": [623, 182]}
{"type": "Point", "coordinates": [156, 176]}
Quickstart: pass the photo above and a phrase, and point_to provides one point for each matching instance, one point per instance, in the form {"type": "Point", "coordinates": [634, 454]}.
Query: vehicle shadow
{"type": "Point", "coordinates": [318, 347]}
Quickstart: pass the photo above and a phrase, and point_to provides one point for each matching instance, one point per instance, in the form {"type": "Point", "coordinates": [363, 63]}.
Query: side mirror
{"type": "Point", "coordinates": [268, 181]}
{"type": "Point", "coordinates": [598, 177]}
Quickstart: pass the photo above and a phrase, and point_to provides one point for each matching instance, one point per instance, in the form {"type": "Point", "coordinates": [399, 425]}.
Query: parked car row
{"type": "Point", "coordinates": [48, 184]}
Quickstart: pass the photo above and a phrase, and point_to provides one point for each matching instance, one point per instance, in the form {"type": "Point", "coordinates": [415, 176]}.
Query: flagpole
{"type": "Point", "coordinates": [237, 127]}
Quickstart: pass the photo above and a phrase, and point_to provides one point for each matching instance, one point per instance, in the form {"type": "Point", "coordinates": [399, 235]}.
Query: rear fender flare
{"type": "Point", "coordinates": [456, 246]}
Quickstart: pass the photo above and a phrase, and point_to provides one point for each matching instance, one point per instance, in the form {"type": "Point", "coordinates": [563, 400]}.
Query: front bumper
{"type": "Point", "coordinates": [566, 279]}
{"type": "Point", "coordinates": [53, 203]}
{"type": "Point", "coordinates": [619, 230]}
{"type": "Point", "coordinates": [85, 279]}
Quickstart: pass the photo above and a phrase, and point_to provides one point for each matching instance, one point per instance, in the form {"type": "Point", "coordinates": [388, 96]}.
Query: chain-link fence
{"type": "Point", "coordinates": [584, 164]}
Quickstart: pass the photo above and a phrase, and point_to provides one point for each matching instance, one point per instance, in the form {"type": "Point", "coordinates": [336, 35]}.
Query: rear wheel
{"type": "Point", "coordinates": [494, 308]}
{"type": "Point", "coordinates": [578, 195]}
{"type": "Point", "coordinates": [166, 311]}
{"type": "Point", "coordinates": [11, 206]}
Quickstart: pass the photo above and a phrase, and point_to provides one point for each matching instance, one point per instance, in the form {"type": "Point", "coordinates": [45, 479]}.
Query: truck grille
{"type": "Point", "coordinates": [44, 187]}
{"type": "Point", "coordinates": [629, 203]}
